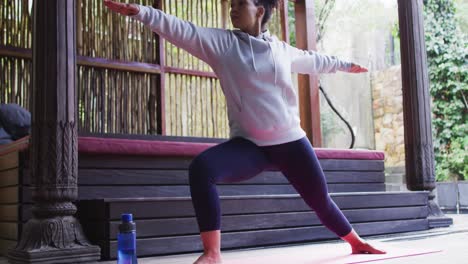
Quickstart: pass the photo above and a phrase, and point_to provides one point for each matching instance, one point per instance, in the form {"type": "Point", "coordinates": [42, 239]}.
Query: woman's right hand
{"type": "Point", "coordinates": [355, 68]}
{"type": "Point", "coordinates": [121, 8]}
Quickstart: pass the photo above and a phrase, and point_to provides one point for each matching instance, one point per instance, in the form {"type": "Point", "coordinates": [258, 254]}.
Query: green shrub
{"type": "Point", "coordinates": [447, 53]}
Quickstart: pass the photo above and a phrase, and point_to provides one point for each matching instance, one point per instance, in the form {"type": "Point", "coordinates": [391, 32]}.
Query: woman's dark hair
{"type": "Point", "coordinates": [269, 5]}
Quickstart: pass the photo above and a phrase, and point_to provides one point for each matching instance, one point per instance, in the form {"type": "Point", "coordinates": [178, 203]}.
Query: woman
{"type": "Point", "coordinates": [254, 70]}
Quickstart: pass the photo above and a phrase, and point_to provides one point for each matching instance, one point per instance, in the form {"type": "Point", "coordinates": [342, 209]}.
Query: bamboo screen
{"type": "Point", "coordinates": [15, 71]}
{"type": "Point", "coordinates": [112, 99]}
{"type": "Point", "coordinates": [15, 81]}
{"type": "Point", "coordinates": [195, 105]}
{"type": "Point", "coordinates": [115, 101]}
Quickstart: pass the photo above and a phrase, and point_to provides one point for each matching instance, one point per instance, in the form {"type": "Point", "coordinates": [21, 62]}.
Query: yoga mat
{"type": "Point", "coordinates": [331, 255]}
{"type": "Point", "coordinates": [392, 253]}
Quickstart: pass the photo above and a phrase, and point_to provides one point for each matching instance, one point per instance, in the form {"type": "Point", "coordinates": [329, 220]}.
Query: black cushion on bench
{"type": "Point", "coordinates": [5, 138]}
{"type": "Point", "coordinates": [15, 119]}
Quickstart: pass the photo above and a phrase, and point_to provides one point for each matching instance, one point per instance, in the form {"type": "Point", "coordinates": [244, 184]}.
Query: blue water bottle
{"type": "Point", "coordinates": [126, 241]}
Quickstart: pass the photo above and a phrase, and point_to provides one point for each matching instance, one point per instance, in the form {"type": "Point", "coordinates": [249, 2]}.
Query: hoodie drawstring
{"type": "Point", "coordinates": [253, 56]}
{"type": "Point", "coordinates": [267, 39]}
{"type": "Point", "coordinates": [274, 60]}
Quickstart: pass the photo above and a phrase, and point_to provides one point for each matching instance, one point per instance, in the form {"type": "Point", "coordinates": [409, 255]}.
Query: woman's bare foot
{"type": "Point", "coordinates": [365, 248]}
{"type": "Point", "coordinates": [209, 259]}
{"type": "Point", "coordinates": [211, 248]}
{"type": "Point", "coordinates": [359, 246]}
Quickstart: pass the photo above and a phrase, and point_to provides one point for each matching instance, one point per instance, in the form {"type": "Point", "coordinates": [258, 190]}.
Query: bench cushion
{"type": "Point", "coordinates": [93, 145]}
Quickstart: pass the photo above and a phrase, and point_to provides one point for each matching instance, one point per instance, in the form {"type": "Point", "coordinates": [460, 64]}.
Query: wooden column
{"type": "Point", "coordinates": [416, 106]}
{"type": "Point", "coordinates": [54, 235]}
{"type": "Point", "coordinates": [309, 100]}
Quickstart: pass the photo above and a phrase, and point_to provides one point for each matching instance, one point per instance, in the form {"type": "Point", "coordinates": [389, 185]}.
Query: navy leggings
{"type": "Point", "coordinates": [240, 159]}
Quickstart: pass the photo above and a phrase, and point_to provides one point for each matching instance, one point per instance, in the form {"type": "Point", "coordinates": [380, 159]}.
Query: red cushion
{"type": "Point", "coordinates": [94, 145]}
{"type": "Point", "coordinates": [358, 154]}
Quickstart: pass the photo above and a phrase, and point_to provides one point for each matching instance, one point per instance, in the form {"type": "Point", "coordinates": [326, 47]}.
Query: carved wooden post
{"type": "Point", "coordinates": [309, 97]}
{"type": "Point", "coordinates": [54, 235]}
{"type": "Point", "coordinates": [416, 107]}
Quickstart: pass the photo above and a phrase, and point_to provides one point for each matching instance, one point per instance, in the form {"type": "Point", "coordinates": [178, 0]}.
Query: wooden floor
{"type": "Point", "coordinates": [337, 253]}
{"type": "Point", "coordinates": [450, 241]}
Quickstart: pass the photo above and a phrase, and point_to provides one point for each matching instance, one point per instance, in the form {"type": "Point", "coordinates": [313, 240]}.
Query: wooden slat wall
{"type": "Point", "coordinates": [139, 184]}
{"type": "Point", "coordinates": [269, 237]}
{"type": "Point", "coordinates": [143, 176]}
{"type": "Point", "coordinates": [113, 176]}
{"type": "Point", "coordinates": [184, 226]}
{"type": "Point", "coordinates": [248, 221]}
{"type": "Point", "coordinates": [9, 200]}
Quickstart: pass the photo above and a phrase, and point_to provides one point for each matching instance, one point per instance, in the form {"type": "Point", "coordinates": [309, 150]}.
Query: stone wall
{"type": "Point", "coordinates": [387, 108]}
{"type": "Point", "coordinates": [387, 105]}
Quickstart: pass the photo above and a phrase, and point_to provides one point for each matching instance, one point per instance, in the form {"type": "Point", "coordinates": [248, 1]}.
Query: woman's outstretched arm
{"type": "Point", "coordinates": [207, 44]}
{"type": "Point", "coordinates": [306, 62]}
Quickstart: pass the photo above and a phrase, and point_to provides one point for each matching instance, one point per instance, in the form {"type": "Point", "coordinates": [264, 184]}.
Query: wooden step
{"type": "Point", "coordinates": [270, 237]}
{"type": "Point", "coordinates": [93, 192]}
{"type": "Point", "coordinates": [182, 206]}
{"type": "Point", "coordinates": [188, 225]}
{"type": "Point", "coordinates": [168, 225]}
{"type": "Point", "coordinates": [114, 177]}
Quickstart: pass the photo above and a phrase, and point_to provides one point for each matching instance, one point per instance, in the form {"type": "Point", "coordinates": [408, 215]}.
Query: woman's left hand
{"type": "Point", "coordinates": [121, 8]}
{"type": "Point", "coordinates": [355, 68]}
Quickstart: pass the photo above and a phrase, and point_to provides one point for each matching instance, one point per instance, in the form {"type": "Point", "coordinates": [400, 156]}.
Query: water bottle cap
{"type": "Point", "coordinates": [126, 218]}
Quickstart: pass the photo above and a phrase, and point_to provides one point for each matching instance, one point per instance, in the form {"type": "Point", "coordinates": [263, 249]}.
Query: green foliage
{"type": "Point", "coordinates": [292, 24]}
{"type": "Point", "coordinates": [456, 161]}
{"type": "Point", "coordinates": [447, 53]}
{"type": "Point", "coordinates": [462, 14]}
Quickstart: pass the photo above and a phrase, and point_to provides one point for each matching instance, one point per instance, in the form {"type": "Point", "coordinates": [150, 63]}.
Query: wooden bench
{"type": "Point", "coordinates": [148, 176]}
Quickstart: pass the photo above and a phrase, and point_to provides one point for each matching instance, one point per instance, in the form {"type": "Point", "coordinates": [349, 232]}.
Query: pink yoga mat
{"type": "Point", "coordinates": [330, 255]}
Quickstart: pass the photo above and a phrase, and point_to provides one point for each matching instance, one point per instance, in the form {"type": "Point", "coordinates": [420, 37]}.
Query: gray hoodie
{"type": "Point", "coordinates": [254, 72]}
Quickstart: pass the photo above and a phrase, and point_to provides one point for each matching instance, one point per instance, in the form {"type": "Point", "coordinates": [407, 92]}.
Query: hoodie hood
{"type": "Point", "coordinates": [265, 36]}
